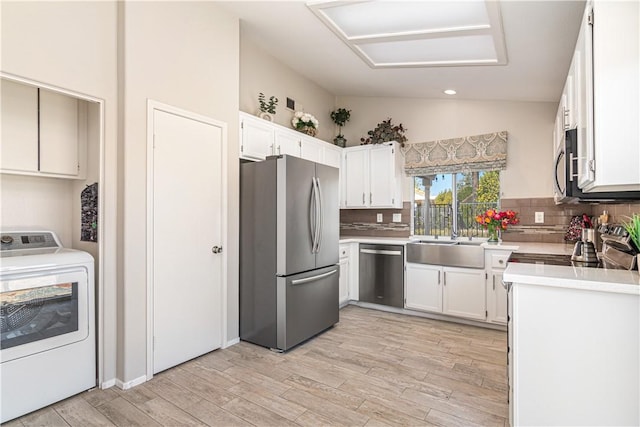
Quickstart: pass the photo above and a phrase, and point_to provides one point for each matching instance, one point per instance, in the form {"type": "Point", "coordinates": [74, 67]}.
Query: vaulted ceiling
{"type": "Point", "coordinates": [539, 37]}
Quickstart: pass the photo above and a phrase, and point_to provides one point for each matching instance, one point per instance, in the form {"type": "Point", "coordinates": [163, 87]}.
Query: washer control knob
{"type": "Point", "coordinates": [6, 239]}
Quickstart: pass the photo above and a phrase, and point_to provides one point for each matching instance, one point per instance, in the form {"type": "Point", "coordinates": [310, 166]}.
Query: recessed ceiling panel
{"type": "Point", "coordinates": [471, 49]}
{"type": "Point", "coordinates": [358, 19]}
{"type": "Point", "coordinates": [418, 33]}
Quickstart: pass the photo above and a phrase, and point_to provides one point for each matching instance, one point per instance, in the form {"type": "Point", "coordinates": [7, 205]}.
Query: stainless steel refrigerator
{"type": "Point", "coordinates": [289, 232]}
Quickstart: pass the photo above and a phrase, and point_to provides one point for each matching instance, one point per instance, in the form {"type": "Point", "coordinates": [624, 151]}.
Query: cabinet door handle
{"type": "Point", "coordinates": [444, 278]}
{"type": "Point", "coordinates": [438, 277]}
{"type": "Point", "coordinates": [370, 198]}
{"type": "Point", "coordinates": [494, 282]}
{"type": "Point", "coordinates": [363, 198]}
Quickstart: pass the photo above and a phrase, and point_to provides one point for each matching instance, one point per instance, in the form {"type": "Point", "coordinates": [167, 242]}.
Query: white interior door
{"type": "Point", "coordinates": [187, 225]}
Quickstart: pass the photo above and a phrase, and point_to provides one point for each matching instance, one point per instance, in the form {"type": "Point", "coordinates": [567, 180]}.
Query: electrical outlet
{"type": "Point", "coordinates": [539, 218]}
{"type": "Point", "coordinates": [397, 218]}
{"type": "Point", "coordinates": [379, 217]}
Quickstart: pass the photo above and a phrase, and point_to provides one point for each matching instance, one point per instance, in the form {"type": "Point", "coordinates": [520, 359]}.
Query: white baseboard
{"type": "Point", "coordinates": [132, 383]}
{"type": "Point", "coordinates": [231, 342]}
{"type": "Point", "coordinates": [108, 384]}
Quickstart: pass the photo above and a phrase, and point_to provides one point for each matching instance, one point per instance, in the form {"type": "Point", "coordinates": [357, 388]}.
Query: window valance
{"type": "Point", "coordinates": [469, 154]}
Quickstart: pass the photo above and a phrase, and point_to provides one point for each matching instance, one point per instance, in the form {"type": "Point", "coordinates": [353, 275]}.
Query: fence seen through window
{"type": "Point", "coordinates": [448, 203]}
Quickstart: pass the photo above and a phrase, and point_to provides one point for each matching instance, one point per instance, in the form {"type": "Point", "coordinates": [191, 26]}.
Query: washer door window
{"type": "Point", "coordinates": [42, 312]}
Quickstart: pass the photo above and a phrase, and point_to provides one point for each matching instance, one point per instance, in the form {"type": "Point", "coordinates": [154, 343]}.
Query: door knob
{"type": "Point", "coordinates": [216, 249]}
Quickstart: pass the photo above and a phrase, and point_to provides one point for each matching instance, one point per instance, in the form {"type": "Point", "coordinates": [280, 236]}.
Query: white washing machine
{"type": "Point", "coordinates": [47, 315]}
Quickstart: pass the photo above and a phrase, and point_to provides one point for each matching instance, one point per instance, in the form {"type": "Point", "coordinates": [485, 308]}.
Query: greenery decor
{"type": "Point", "coordinates": [384, 132]}
{"type": "Point", "coordinates": [305, 122]}
{"type": "Point", "coordinates": [267, 107]}
{"type": "Point", "coordinates": [340, 117]}
{"type": "Point", "coordinates": [633, 228]}
{"type": "Point", "coordinates": [493, 221]}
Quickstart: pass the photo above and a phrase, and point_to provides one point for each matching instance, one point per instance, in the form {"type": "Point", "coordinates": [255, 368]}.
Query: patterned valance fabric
{"type": "Point", "coordinates": [468, 154]}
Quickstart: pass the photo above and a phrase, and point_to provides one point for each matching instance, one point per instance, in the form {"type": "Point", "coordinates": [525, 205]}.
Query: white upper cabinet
{"type": "Point", "coordinates": [356, 168]}
{"type": "Point", "coordinates": [311, 149]}
{"type": "Point", "coordinates": [58, 134]}
{"type": "Point", "coordinates": [19, 148]}
{"type": "Point", "coordinates": [286, 143]}
{"type": "Point", "coordinates": [609, 162]}
{"type": "Point", "coordinates": [333, 156]}
{"type": "Point", "coordinates": [44, 132]}
{"type": "Point", "coordinates": [256, 137]}
{"type": "Point", "coordinates": [260, 138]}
{"type": "Point", "coordinates": [373, 176]}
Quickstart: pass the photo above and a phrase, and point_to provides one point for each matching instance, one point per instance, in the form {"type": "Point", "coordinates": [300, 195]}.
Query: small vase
{"type": "Point", "coordinates": [494, 234]}
{"type": "Point", "coordinates": [266, 116]}
{"type": "Point", "coordinates": [308, 130]}
{"type": "Point", "coordinates": [340, 141]}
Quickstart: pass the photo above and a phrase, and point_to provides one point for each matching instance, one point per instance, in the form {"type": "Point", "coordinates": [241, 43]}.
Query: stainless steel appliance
{"type": "Point", "coordinates": [565, 181]}
{"type": "Point", "coordinates": [289, 232]}
{"type": "Point", "coordinates": [382, 274]}
{"type": "Point", "coordinates": [585, 250]}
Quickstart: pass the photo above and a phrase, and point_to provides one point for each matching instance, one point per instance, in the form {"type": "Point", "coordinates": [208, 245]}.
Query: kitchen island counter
{"type": "Point", "coordinates": [585, 278]}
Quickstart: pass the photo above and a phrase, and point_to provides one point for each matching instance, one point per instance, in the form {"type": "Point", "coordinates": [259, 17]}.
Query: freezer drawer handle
{"type": "Point", "coordinates": [380, 252]}
{"type": "Point", "coordinates": [313, 278]}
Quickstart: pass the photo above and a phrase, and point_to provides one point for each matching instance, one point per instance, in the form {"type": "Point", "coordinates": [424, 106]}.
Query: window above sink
{"type": "Point", "coordinates": [436, 198]}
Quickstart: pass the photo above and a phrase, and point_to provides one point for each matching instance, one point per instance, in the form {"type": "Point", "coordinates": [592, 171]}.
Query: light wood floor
{"type": "Point", "coordinates": [373, 368]}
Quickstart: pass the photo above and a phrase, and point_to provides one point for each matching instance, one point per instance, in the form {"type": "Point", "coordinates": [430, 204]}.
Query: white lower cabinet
{"type": "Point", "coordinates": [496, 299]}
{"type": "Point", "coordinates": [452, 291]}
{"type": "Point", "coordinates": [344, 281]}
{"type": "Point", "coordinates": [496, 262]}
{"type": "Point", "coordinates": [463, 293]}
{"type": "Point", "coordinates": [348, 284]}
{"type": "Point", "coordinates": [424, 290]}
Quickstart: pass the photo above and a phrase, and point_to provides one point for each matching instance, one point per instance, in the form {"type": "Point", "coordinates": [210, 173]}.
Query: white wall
{"type": "Point", "coordinates": [530, 127]}
{"type": "Point", "coordinates": [30, 202]}
{"type": "Point", "coordinates": [184, 54]}
{"type": "Point", "coordinates": [260, 72]}
{"type": "Point", "coordinates": [70, 45]}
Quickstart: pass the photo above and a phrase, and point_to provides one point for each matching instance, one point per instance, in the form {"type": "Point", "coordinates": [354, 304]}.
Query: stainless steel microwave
{"type": "Point", "coordinates": [565, 180]}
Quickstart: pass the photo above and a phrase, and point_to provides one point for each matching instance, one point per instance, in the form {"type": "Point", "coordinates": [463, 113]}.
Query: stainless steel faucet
{"type": "Point", "coordinates": [454, 234]}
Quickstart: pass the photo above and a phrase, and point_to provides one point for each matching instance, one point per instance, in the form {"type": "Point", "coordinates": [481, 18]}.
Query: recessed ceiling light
{"type": "Point", "coordinates": [450, 92]}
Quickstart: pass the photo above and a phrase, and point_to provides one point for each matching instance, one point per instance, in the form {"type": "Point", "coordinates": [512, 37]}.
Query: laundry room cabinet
{"type": "Point", "coordinates": [43, 132]}
{"type": "Point", "coordinates": [373, 176]}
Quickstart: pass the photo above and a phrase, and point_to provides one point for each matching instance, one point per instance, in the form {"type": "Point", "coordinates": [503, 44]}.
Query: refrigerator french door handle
{"type": "Point", "coordinates": [316, 205]}
{"type": "Point", "coordinates": [312, 215]}
{"type": "Point", "coordinates": [313, 278]}
{"type": "Point", "coordinates": [320, 216]}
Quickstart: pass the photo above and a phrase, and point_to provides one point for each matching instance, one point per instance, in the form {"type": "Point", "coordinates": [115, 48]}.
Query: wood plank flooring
{"type": "Point", "coordinates": [372, 369]}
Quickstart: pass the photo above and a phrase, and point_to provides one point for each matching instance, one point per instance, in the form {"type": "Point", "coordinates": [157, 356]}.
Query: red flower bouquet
{"type": "Point", "coordinates": [493, 221]}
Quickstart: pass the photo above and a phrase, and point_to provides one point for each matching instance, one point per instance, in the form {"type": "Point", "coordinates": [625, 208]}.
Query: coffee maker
{"type": "Point", "coordinates": [584, 251]}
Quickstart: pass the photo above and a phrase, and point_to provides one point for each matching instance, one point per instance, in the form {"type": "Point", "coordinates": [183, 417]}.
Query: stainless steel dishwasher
{"type": "Point", "coordinates": [382, 274]}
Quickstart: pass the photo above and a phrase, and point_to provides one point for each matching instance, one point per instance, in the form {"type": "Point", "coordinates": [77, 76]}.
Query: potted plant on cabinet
{"type": "Point", "coordinates": [267, 108]}
{"type": "Point", "coordinates": [385, 132]}
{"type": "Point", "coordinates": [340, 117]}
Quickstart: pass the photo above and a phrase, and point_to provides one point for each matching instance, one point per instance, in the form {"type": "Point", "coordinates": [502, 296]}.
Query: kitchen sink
{"type": "Point", "coordinates": [451, 253]}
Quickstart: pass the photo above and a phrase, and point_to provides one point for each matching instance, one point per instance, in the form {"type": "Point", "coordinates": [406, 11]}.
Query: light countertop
{"type": "Point", "coordinates": [537, 248]}
{"type": "Point", "coordinates": [584, 278]}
